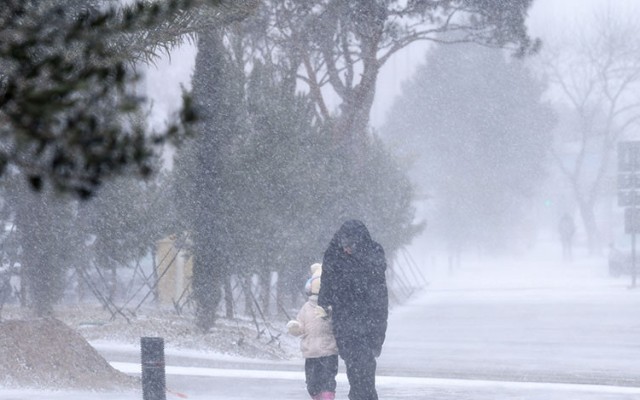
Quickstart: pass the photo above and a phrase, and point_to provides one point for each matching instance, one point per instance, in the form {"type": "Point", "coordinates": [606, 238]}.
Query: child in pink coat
{"type": "Point", "coordinates": [317, 342]}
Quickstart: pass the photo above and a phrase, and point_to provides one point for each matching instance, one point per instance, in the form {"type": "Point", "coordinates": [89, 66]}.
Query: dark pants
{"type": "Point", "coordinates": [321, 374]}
{"type": "Point", "coordinates": [361, 368]}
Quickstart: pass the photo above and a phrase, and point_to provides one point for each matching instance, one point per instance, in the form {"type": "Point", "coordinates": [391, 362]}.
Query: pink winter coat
{"type": "Point", "coordinates": [316, 332]}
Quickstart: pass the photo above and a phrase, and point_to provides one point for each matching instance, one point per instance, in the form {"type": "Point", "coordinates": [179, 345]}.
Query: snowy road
{"type": "Point", "coordinates": [576, 335]}
{"type": "Point", "coordinates": [212, 384]}
{"type": "Point", "coordinates": [523, 336]}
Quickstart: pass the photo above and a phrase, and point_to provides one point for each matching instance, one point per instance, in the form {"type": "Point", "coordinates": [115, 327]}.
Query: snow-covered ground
{"type": "Point", "coordinates": [514, 329]}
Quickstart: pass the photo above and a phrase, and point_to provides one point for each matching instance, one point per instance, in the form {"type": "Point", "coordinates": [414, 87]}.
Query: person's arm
{"type": "Point", "coordinates": [296, 326]}
{"type": "Point", "coordinates": [378, 318]}
{"type": "Point", "coordinates": [378, 302]}
{"type": "Point", "coordinates": [326, 296]}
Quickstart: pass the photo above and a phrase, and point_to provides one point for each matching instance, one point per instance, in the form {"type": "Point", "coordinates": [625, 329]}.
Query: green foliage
{"type": "Point", "coordinates": [474, 122]}
{"type": "Point", "coordinates": [54, 234]}
{"type": "Point", "coordinates": [70, 119]}
{"type": "Point", "coordinates": [126, 217]}
{"type": "Point", "coordinates": [66, 92]}
{"type": "Point", "coordinates": [300, 184]}
{"type": "Point", "coordinates": [202, 168]}
{"type": "Point", "coordinates": [48, 243]}
{"type": "Point", "coordinates": [266, 186]}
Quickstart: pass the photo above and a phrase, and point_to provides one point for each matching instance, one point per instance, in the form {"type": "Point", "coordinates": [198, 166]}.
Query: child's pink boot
{"type": "Point", "coordinates": [326, 396]}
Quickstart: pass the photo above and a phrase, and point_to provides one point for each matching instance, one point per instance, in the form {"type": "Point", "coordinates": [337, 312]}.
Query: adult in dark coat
{"type": "Point", "coordinates": [354, 293]}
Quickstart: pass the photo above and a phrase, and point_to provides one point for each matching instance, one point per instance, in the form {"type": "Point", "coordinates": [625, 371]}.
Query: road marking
{"type": "Point", "coordinates": [385, 380]}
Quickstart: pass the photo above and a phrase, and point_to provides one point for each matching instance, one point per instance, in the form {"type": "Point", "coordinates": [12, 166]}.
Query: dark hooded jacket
{"type": "Point", "coordinates": [354, 286]}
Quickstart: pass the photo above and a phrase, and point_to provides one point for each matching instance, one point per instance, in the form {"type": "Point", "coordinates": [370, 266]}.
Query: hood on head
{"type": "Point", "coordinates": [352, 233]}
{"type": "Point", "coordinates": [365, 254]}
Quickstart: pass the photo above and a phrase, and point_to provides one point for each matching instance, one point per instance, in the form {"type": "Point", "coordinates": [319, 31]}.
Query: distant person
{"type": "Point", "coordinates": [318, 345]}
{"type": "Point", "coordinates": [567, 229]}
{"type": "Point", "coordinates": [354, 294]}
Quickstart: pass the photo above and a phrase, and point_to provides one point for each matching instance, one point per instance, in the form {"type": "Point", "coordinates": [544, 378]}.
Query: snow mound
{"type": "Point", "coordinates": [46, 353]}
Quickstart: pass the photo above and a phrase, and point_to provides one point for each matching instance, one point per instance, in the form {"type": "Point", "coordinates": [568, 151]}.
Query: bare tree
{"type": "Point", "coordinates": [340, 46]}
{"type": "Point", "coordinates": [598, 75]}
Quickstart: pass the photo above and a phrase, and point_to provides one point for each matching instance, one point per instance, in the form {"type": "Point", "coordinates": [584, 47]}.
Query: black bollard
{"type": "Point", "coordinates": [153, 379]}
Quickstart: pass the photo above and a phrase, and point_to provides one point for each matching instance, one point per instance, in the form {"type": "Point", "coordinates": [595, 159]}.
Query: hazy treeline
{"type": "Point", "coordinates": [503, 147]}
{"type": "Point", "coordinates": [474, 129]}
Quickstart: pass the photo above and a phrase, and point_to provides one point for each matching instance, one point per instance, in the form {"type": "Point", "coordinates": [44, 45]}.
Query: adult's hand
{"type": "Point", "coordinates": [320, 312]}
{"type": "Point", "coordinates": [376, 344]}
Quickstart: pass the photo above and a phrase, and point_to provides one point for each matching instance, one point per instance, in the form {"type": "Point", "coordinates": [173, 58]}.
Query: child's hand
{"type": "Point", "coordinates": [294, 327]}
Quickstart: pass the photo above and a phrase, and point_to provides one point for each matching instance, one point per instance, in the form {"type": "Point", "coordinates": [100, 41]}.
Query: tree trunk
{"type": "Point", "coordinates": [43, 272]}
{"type": "Point", "coordinates": [207, 288]}
{"type": "Point", "coordinates": [248, 298]}
{"type": "Point", "coordinates": [228, 297]}
{"type": "Point", "coordinates": [590, 226]}
{"type": "Point", "coordinates": [286, 296]}
{"type": "Point", "coordinates": [265, 280]}
{"type": "Point", "coordinates": [356, 108]}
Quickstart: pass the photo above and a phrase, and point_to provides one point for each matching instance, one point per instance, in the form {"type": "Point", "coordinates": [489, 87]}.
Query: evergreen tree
{"type": "Point", "coordinates": [122, 223]}
{"type": "Point", "coordinates": [362, 30]}
{"type": "Point", "coordinates": [67, 100]}
{"type": "Point", "coordinates": [266, 185]}
{"type": "Point", "coordinates": [201, 169]}
{"type": "Point", "coordinates": [48, 242]}
{"type": "Point", "coordinates": [474, 122]}
{"type": "Point", "coordinates": [66, 78]}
